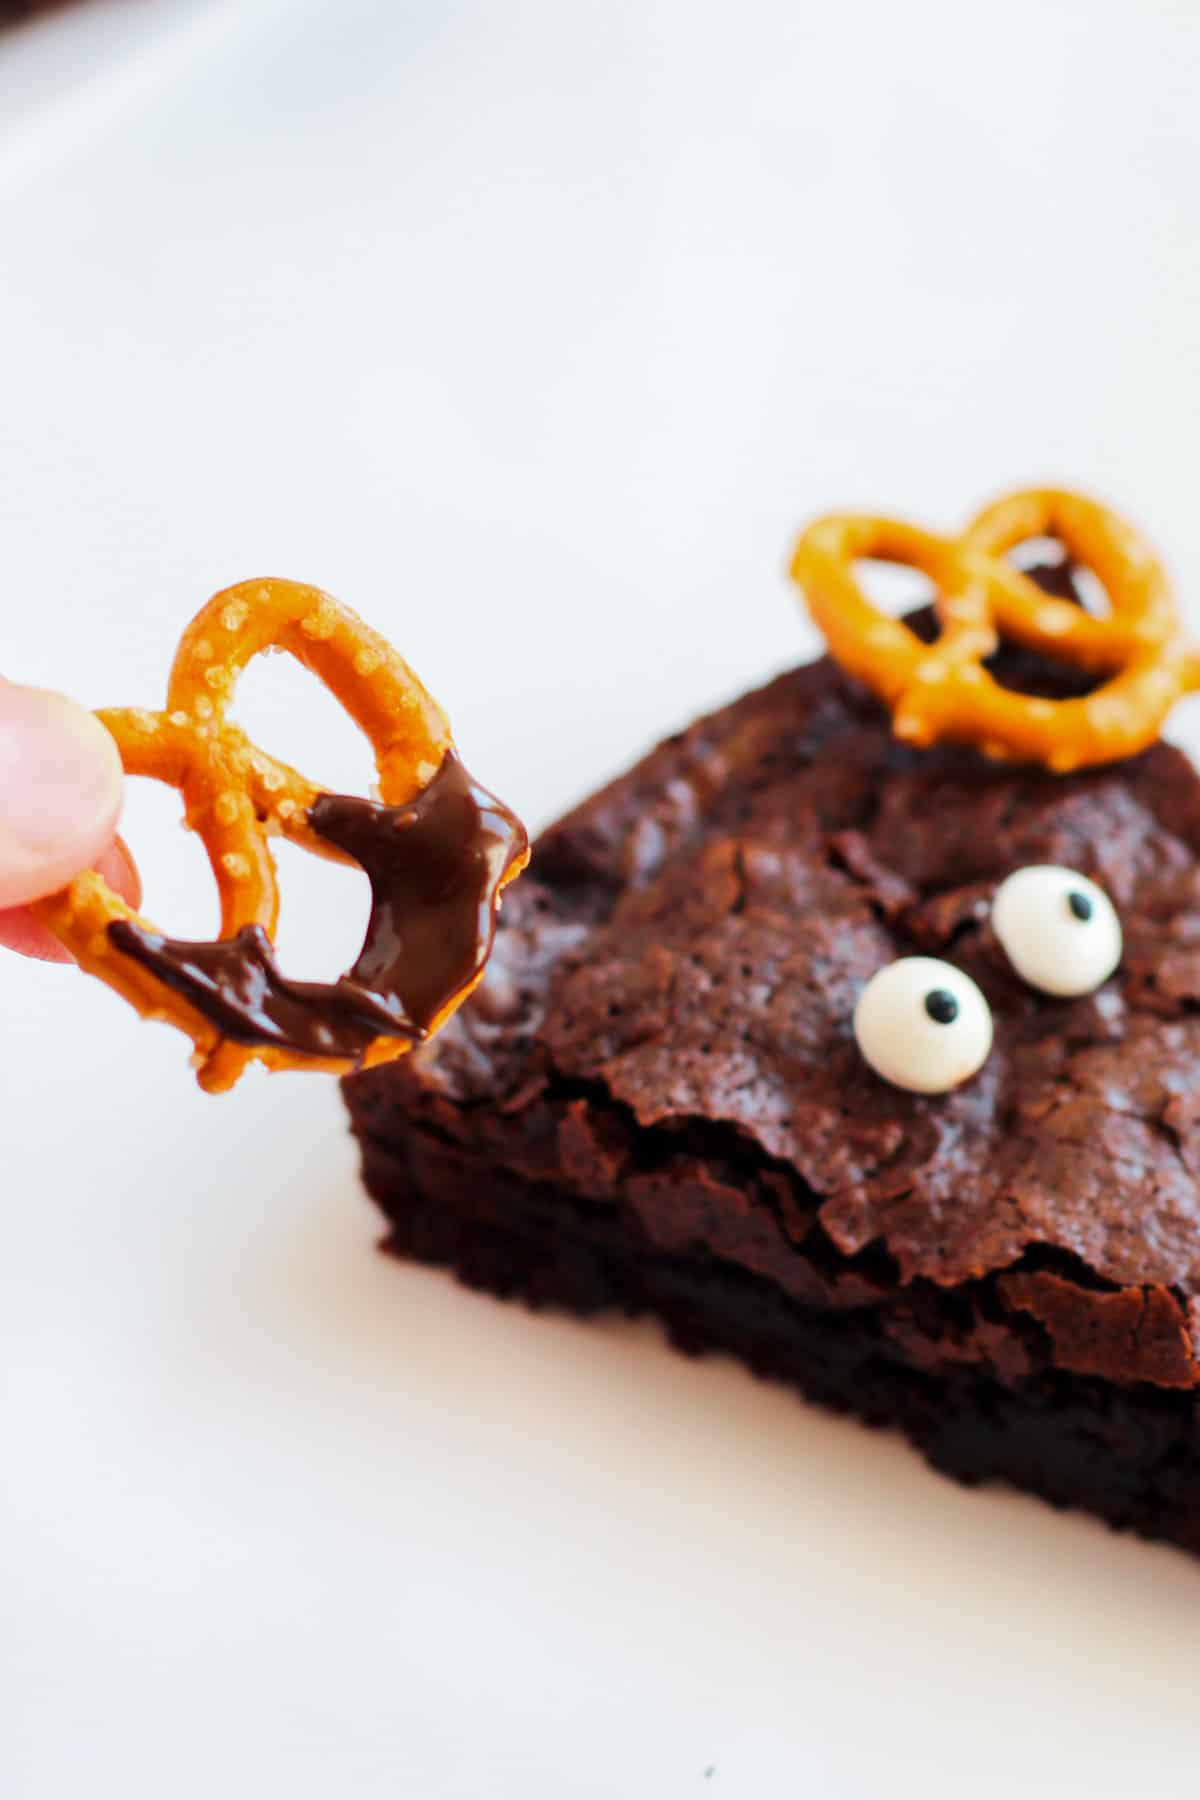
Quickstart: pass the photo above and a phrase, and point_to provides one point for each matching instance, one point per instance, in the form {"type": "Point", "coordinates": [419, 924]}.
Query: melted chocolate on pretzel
{"type": "Point", "coordinates": [435, 866]}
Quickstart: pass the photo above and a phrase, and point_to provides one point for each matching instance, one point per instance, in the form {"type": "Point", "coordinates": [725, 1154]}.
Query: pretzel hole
{"type": "Point", "coordinates": [1039, 677]}
{"type": "Point", "coordinates": [289, 713]}
{"type": "Point", "coordinates": [1092, 592]}
{"type": "Point", "coordinates": [893, 587]}
{"type": "Point", "coordinates": [1048, 560]}
{"type": "Point", "coordinates": [323, 912]}
{"type": "Point", "coordinates": [179, 892]}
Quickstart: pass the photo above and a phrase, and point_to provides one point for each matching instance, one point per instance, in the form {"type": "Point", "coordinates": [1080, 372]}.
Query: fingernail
{"type": "Point", "coordinates": [120, 871]}
{"type": "Point", "coordinates": [60, 789]}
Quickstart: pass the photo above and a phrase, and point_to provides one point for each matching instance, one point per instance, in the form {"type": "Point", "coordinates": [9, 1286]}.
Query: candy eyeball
{"type": "Point", "coordinates": [923, 1025]}
{"type": "Point", "coordinates": [1059, 930]}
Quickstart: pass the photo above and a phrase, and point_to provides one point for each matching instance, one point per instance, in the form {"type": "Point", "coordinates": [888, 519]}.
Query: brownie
{"type": "Point", "coordinates": [12, 10]}
{"type": "Point", "coordinates": [655, 1101]}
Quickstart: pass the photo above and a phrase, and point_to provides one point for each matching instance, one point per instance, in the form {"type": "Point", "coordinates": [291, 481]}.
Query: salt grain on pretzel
{"type": "Point", "coordinates": [437, 848]}
{"type": "Point", "coordinates": [939, 691]}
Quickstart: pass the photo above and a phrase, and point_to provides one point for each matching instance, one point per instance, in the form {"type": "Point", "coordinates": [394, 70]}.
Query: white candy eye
{"type": "Point", "coordinates": [923, 1025]}
{"type": "Point", "coordinates": [1059, 930]}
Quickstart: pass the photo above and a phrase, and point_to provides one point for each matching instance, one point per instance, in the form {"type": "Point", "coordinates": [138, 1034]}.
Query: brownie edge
{"type": "Point", "coordinates": [654, 1101]}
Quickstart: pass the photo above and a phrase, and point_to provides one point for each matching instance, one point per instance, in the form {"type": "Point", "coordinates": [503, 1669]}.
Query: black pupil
{"type": "Point", "coordinates": [941, 1006]}
{"type": "Point", "coordinates": [1080, 905]}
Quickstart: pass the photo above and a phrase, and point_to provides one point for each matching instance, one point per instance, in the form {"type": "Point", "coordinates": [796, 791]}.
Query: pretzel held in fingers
{"type": "Point", "coordinates": [437, 847]}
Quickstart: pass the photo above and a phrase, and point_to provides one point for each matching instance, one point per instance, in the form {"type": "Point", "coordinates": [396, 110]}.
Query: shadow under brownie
{"type": "Point", "coordinates": [655, 1101]}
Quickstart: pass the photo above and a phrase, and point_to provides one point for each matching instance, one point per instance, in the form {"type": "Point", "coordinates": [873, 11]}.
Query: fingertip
{"type": "Point", "coordinates": [22, 932]}
{"type": "Point", "coordinates": [60, 792]}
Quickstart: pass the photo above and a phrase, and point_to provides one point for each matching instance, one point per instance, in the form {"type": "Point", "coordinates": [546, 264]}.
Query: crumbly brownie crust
{"type": "Point", "coordinates": [655, 1100]}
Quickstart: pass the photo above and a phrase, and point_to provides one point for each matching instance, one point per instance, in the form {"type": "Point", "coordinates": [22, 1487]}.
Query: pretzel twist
{"type": "Point", "coordinates": [236, 797]}
{"type": "Point", "coordinates": [941, 690]}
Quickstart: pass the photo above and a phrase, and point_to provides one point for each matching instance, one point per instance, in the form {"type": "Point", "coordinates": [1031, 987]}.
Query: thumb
{"type": "Point", "coordinates": [60, 792]}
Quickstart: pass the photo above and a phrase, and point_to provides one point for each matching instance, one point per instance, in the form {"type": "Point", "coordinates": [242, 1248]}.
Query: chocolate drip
{"type": "Point", "coordinates": [237, 983]}
{"type": "Point", "coordinates": [435, 867]}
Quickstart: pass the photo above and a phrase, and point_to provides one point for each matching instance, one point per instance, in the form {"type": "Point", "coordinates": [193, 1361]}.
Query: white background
{"type": "Point", "coordinates": [533, 331]}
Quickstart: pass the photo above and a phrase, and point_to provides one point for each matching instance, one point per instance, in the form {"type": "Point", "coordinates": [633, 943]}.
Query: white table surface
{"type": "Point", "coordinates": [533, 331]}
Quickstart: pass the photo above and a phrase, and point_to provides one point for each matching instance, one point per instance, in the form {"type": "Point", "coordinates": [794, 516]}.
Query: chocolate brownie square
{"type": "Point", "coordinates": [655, 1101]}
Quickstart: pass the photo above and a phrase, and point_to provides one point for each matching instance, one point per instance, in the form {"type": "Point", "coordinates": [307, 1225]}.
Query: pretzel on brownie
{"type": "Point", "coordinates": [941, 690]}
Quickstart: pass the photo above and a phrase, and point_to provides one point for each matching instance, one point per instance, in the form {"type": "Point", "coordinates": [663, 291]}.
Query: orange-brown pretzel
{"type": "Point", "coordinates": [236, 796]}
{"type": "Point", "coordinates": [940, 691]}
